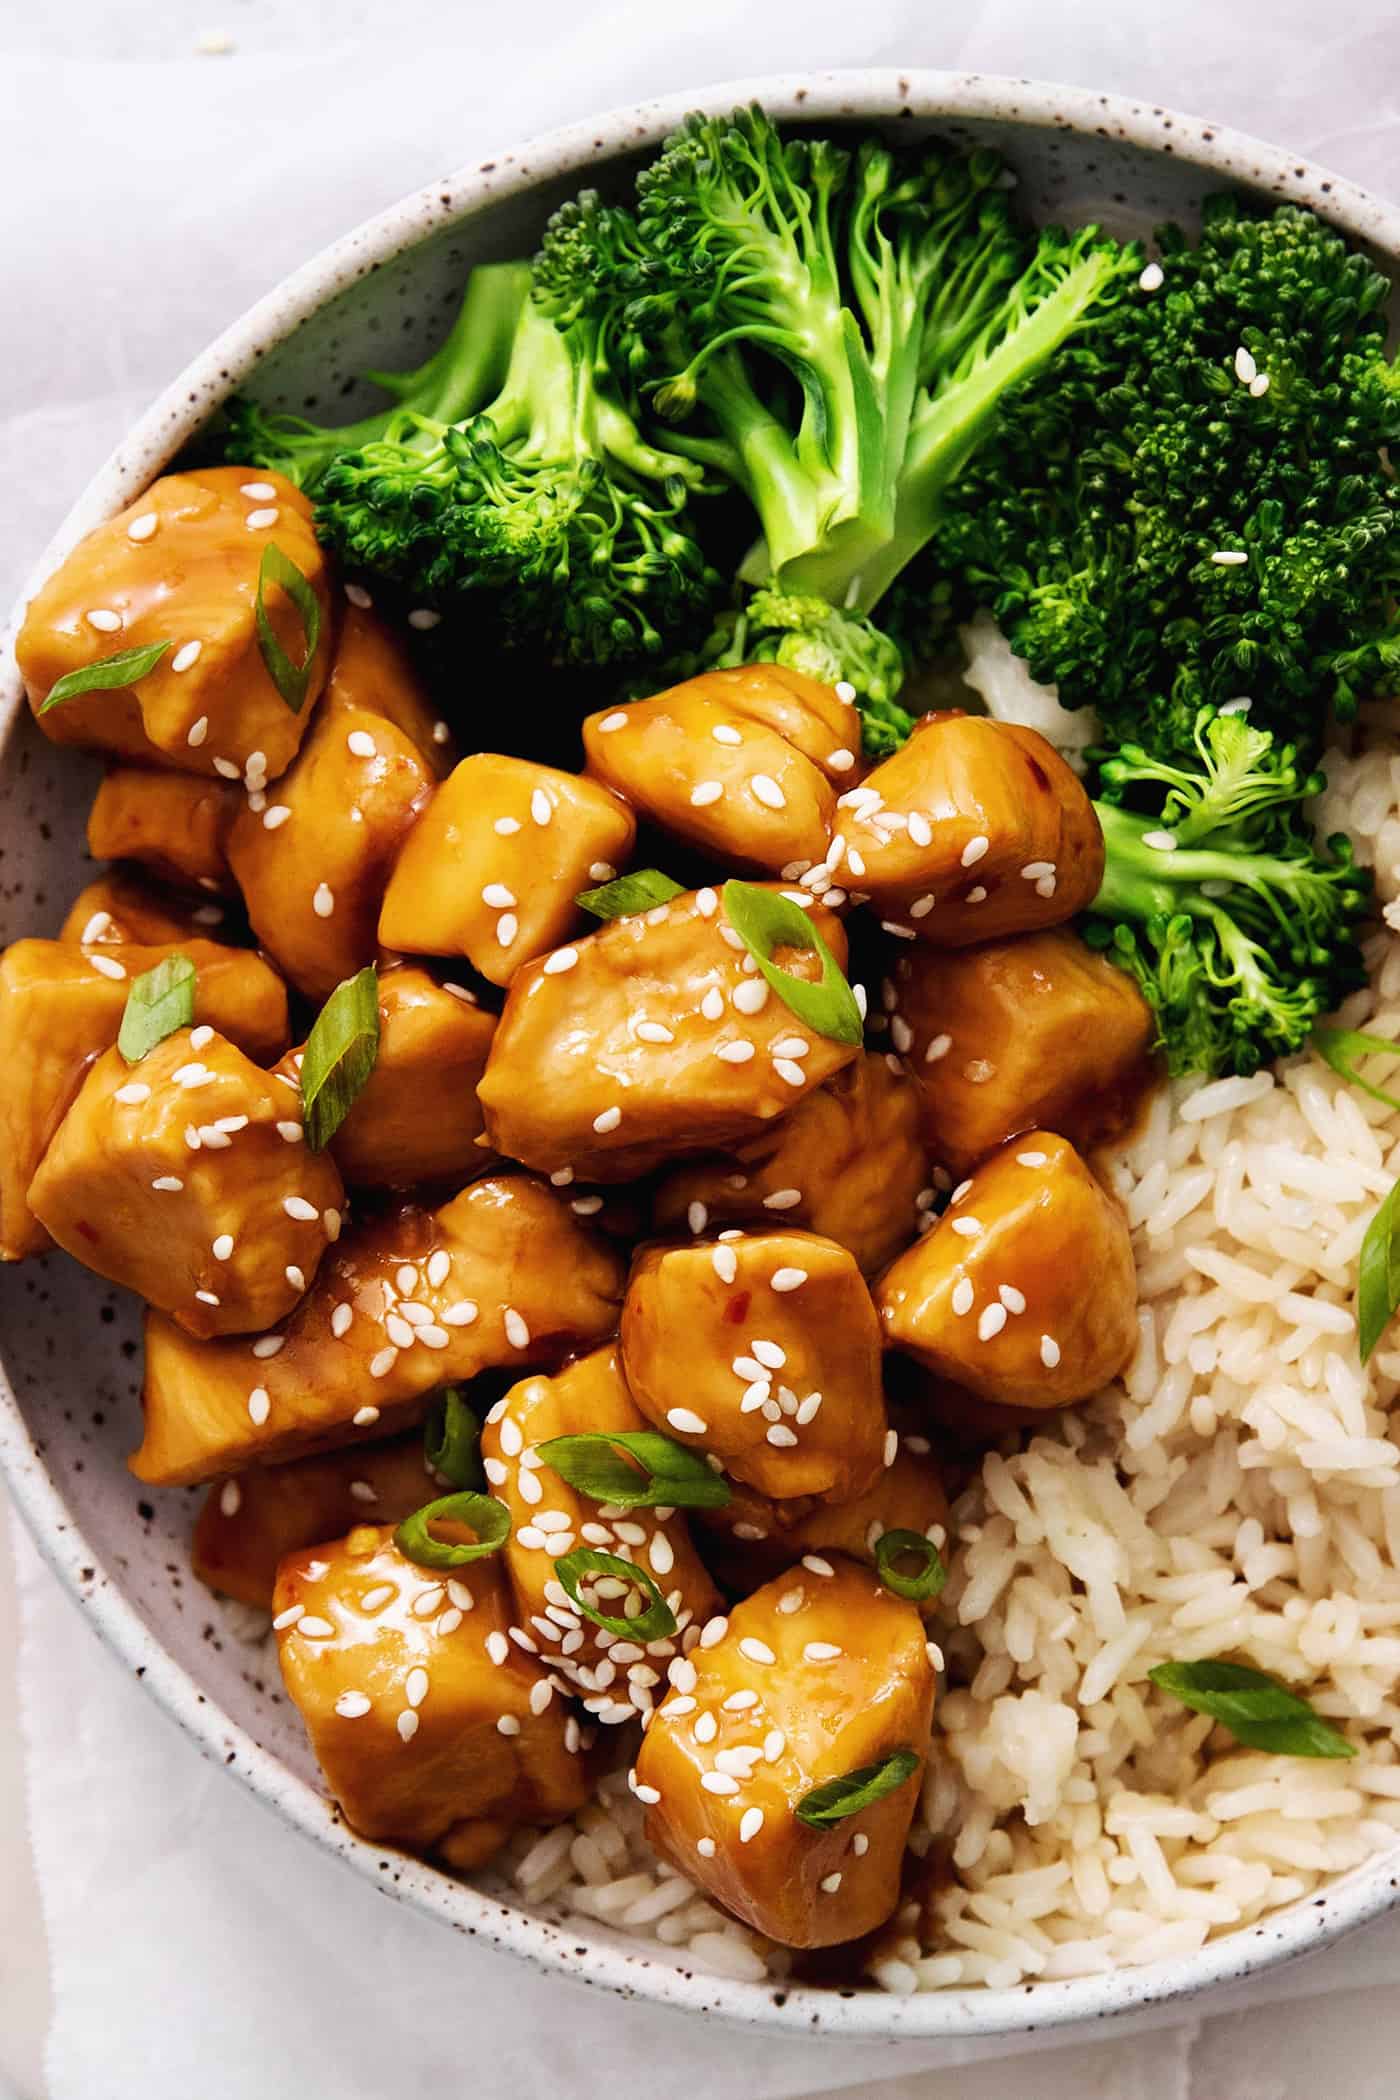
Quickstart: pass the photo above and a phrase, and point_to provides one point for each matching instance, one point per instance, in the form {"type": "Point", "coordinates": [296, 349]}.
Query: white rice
{"type": "Point", "coordinates": [1236, 1492]}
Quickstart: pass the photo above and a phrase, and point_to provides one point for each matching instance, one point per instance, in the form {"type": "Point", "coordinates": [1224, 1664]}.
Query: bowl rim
{"type": "Point", "coordinates": [580, 1948]}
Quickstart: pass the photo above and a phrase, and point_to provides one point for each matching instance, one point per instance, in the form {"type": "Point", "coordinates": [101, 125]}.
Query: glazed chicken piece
{"type": "Point", "coordinates": [753, 1538]}
{"type": "Point", "coordinates": [372, 673]}
{"type": "Point", "coordinates": [971, 830]}
{"type": "Point", "coordinates": [248, 1525]}
{"type": "Point", "coordinates": [503, 1275]}
{"type": "Point", "coordinates": [417, 1118]}
{"type": "Point", "coordinates": [613, 1677]}
{"type": "Point", "coordinates": [816, 1675]}
{"type": "Point", "coordinates": [738, 763]}
{"type": "Point", "coordinates": [313, 858]}
{"type": "Point", "coordinates": [1038, 1030]}
{"type": "Point", "coordinates": [180, 566]}
{"type": "Point", "coordinates": [764, 1350]}
{"type": "Point", "coordinates": [174, 824]}
{"type": "Point", "coordinates": [61, 1006]}
{"type": "Point", "coordinates": [433, 1729]}
{"type": "Point", "coordinates": [184, 1178]}
{"type": "Point", "coordinates": [120, 908]}
{"type": "Point", "coordinates": [848, 1163]}
{"type": "Point", "coordinates": [495, 864]}
{"type": "Point", "coordinates": [650, 1039]}
{"type": "Point", "coordinates": [1025, 1290]}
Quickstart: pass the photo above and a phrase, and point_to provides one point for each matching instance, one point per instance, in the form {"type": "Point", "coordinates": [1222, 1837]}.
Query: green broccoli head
{"type": "Point", "coordinates": [1240, 932]}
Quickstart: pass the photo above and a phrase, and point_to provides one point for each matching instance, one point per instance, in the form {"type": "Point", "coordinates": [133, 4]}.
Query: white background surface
{"type": "Point", "coordinates": [147, 194]}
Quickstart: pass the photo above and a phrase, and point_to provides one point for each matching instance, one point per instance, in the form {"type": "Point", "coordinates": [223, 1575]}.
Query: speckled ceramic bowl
{"type": "Point", "coordinates": [68, 1396]}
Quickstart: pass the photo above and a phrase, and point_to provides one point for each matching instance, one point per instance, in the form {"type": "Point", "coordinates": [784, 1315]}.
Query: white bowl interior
{"type": "Point", "coordinates": [71, 1343]}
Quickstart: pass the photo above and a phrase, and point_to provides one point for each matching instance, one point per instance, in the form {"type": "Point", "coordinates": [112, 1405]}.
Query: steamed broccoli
{"type": "Point", "coordinates": [1239, 933]}
{"type": "Point", "coordinates": [1237, 409]}
{"type": "Point", "coordinates": [457, 380]}
{"type": "Point", "coordinates": [829, 332]}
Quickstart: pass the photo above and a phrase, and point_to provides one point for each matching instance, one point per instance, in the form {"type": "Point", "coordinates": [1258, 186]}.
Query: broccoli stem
{"type": "Point", "coordinates": [471, 362]}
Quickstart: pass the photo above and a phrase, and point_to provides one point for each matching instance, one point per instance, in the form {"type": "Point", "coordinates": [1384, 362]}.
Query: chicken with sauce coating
{"type": "Point", "coordinates": [433, 1728]}
{"type": "Point", "coordinates": [820, 1673]}
{"type": "Point", "coordinates": [174, 824]}
{"type": "Point", "coordinates": [185, 1177]}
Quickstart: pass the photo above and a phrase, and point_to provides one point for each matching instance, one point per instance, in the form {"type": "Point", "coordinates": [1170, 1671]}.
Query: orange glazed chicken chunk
{"type": "Point", "coordinates": [120, 907]}
{"type": "Point", "coordinates": [185, 1178]}
{"type": "Point", "coordinates": [494, 866]}
{"type": "Point", "coordinates": [613, 1677]}
{"type": "Point", "coordinates": [971, 830]}
{"type": "Point", "coordinates": [503, 1275]}
{"type": "Point", "coordinates": [173, 824]}
{"type": "Point", "coordinates": [1025, 1290]}
{"type": "Point", "coordinates": [61, 1007]}
{"type": "Point", "coordinates": [648, 1040]}
{"type": "Point", "coordinates": [738, 763]}
{"type": "Point", "coordinates": [179, 569]}
{"type": "Point", "coordinates": [848, 1163]}
{"type": "Point", "coordinates": [434, 1730]}
{"type": "Point", "coordinates": [313, 856]}
{"type": "Point", "coordinates": [1038, 1030]}
{"type": "Point", "coordinates": [820, 1674]}
{"type": "Point", "coordinates": [764, 1350]}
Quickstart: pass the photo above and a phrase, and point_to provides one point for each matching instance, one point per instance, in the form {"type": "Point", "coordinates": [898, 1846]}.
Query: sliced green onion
{"type": "Point", "coordinates": [483, 1514]}
{"type": "Point", "coordinates": [451, 1436]}
{"type": "Point", "coordinates": [1340, 1047]}
{"type": "Point", "coordinates": [765, 920]}
{"type": "Point", "coordinates": [670, 1474]}
{"type": "Point", "coordinates": [107, 675]}
{"type": "Point", "coordinates": [654, 1624]}
{"type": "Point", "coordinates": [1260, 1713]}
{"type": "Point", "coordinates": [340, 1054]}
{"type": "Point", "coordinates": [891, 1547]}
{"type": "Point", "coordinates": [161, 1000]}
{"type": "Point", "coordinates": [629, 894]}
{"type": "Point", "coordinates": [291, 680]}
{"type": "Point", "coordinates": [1378, 1274]}
{"type": "Point", "coordinates": [853, 1791]}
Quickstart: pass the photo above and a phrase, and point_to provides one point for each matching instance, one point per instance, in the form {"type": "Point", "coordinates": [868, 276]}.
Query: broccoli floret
{"type": "Point", "coordinates": [1238, 409]}
{"type": "Point", "coordinates": [839, 648]}
{"type": "Point", "coordinates": [548, 507]}
{"type": "Point", "coordinates": [457, 380]}
{"type": "Point", "coordinates": [828, 331]}
{"type": "Point", "coordinates": [1239, 932]}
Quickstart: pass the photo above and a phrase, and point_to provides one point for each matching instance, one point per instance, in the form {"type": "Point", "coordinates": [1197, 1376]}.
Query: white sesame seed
{"type": "Point", "coordinates": [141, 528]}
{"type": "Point", "coordinates": [975, 850]}
{"type": "Point", "coordinates": [735, 1053]}
{"type": "Point", "coordinates": [167, 1183]}
{"type": "Point", "coordinates": [586, 1206]}
{"type": "Point", "coordinates": [133, 1093]}
{"type": "Point", "coordinates": [562, 959]}
{"type": "Point", "coordinates": [1032, 1159]}
{"type": "Point", "coordinates": [407, 1725]}
{"type": "Point", "coordinates": [712, 1005]}
{"type": "Point", "coordinates": [790, 1073]}
{"type": "Point", "coordinates": [607, 1120]}
{"type": "Point", "coordinates": [383, 1363]}
{"type": "Point", "coordinates": [230, 1499]}
{"type": "Point", "coordinates": [705, 792]}
{"type": "Point", "coordinates": [105, 621]}
{"type": "Point", "coordinates": [653, 1032]}
{"type": "Point", "coordinates": [1151, 278]}
{"type": "Point", "coordinates": [706, 903]}
{"type": "Point", "coordinates": [967, 1227]}
{"type": "Point", "coordinates": [260, 520]}
{"type": "Point", "coordinates": [990, 1322]}
{"type": "Point", "coordinates": [507, 927]}
{"type": "Point", "coordinates": [1245, 367]}
{"type": "Point", "coordinates": [399, 1331]}
{"type": "Point", "coordinates": [724, 1263]}
{"type": "Point", "coordinates": [296, 1277]}
{"type": "Point", "coordinates": [609, 723]}
{"type": "Point", "coordinates": [439, 1266]}
{"type": "Point", "coordinates": [498, 896]}
{"type": "Point", "coordinates": [718, 1783]}
{"type": "Point", "coordinates": [298, 1207]}
{"type": "Point", "coordinates": [829, 1884]}
{"type": "Point", "coordinates": [1229, 557]}
{"type": "Point", "coordinates": [751, 996]}
{"type": "Point", "coordinates": [222, 1247]}
{"type": "Point", "coordinates": [259, 1406]}
{"type": "Point", "coordinates": [461, 1314]}
{"type": "Point", "coordinates": [1049, 1351]}
{"type": "Point", "coordinates": [788, 1279]}
{"type": "Point", "coordinates": [841, 760]}
{"type": "Point", "coordinates": [769, 1354]}
{"type": "Point", "coordinates": [323, 900]}
{"type": "Point", "coordinates": [415, 1688]}
{"type": "Point", "coordinates": [821, 1651]}
{"type": "Point", "coordinates": [755, 1650]}
{"type": "Point", "coordinates": [783, 1199]}
{"type": "Point", "coordinates": [208, 1298]}
{"type": "Point", "coordinates": [697, 1217]}
{"type": "Point", "coordinates": [289, 1617]}
{"type": "Point", "coordinates": [891, 1446]}
{"type": "Point", "coordinates": [351, 1706]}
{"type": "Point", "coordinates": [726, 733]}
{"type": "Point", "coordinates": [750, 1823]}
{"type": "Point", "coordinates": [1259, 385]}
{"type": "Point", "coordinates": [1160, 841]}
{"type": "Point", "coordinates": [764, 788]}
{"type": "Point", "coordinates": [687, 1421]}
{"type": "Point", "coordinates": [517, 1333]}
{"type": "Point", "coordinates": [901, 933]}
{"type": "Point", "coordinates": [1011, 1298]}
{"type": "Point", "coordinates": [962, 1296]}
{"type": "Point", "coordinates": [602, 871]}
{"type": "Point", "coordinates": [226, 769]}
{"type": "Point", "coordinates": [106, 966]}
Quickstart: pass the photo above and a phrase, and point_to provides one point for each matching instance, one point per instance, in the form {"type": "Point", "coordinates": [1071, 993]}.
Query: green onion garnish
{"type": "Point", "coordinates": [1340, 1047]}
{"type": "Point", "coordinates": [853, 1791]}
{"type": "Point", "coordinates": [892, 1547]}
{"type": "Point", "coordinates": [765, 920]}
{"type": "Point", "coordinates": [483, 1514]}
{"type": "Point", "coordinates": [451, 1438]}
{"type": "Point", "coordinates": [291, 680]}
{"type": "Point", "coordinates": [629, 894]}
{"type": "Point", "coordinates": [161, 1000]}
{"type": "Point", "coordinates": [339, 1056]}
{"type": "Point", "coordinates": [653, 1624]}
{"type": "Point", "coordinates": [107, 675]}
{"type": "Point", "coordinates": [1378, 1274]}
{"type": "Point", "coordinates": [669, 1473]}
{"type": "Point", "coordinates": [1260, 1713]}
